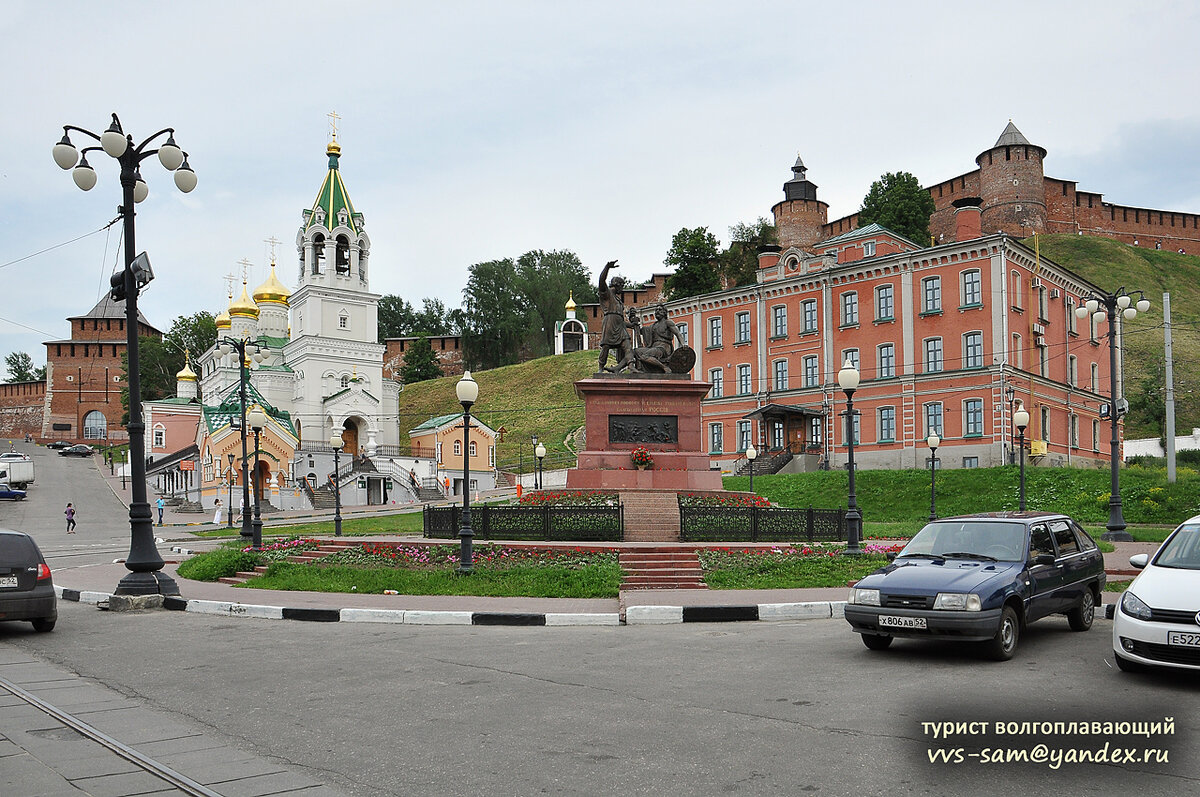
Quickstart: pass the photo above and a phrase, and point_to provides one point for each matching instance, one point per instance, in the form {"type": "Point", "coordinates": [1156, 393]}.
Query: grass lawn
{"type": "Point", "coordinates": [784, 569]}
{"type": "Point", "coordinates": [406, 523]}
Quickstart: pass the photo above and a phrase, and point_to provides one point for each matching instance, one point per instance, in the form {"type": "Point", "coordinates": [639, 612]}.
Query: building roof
{"type": "Point", "coordinates": [872, 229]}
{"type": "Point", "coordinates": [1011, 137]}
{"type": "Point", "coordinates": [333, 198]}
{"type": "Point", "coordinates": [223, 413]}
{"type": "Point", "coordinates": [441, 421]}
{"type": "Point", "coordinates": [107, 308]}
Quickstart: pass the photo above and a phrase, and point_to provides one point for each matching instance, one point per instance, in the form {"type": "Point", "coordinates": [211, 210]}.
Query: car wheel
{"type": "Point", "coordinates": [1082, 615]}
{"type": "Point", "coordinates": [1004, 645]}
{"type": "Point", "coordinates": [43, 624]}
{"type": "Point", "coordinates": [876, 641]}
{"type": "Point", "coordinates": [1125, 665]}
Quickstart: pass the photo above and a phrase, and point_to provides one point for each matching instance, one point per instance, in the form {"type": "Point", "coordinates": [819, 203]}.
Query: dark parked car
{"type": "Point", "coordinates": [981, 578]}
{"type": "Point", "coordinates": [9, 494]}
{"type": "Point", "coordinates": [79, 450]}
{"type": "Point", "coordinates": [26, 590]}
{"type": "Point", "coordinates": [59, 444]}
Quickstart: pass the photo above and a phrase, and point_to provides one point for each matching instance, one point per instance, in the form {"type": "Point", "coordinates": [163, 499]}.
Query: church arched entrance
{"type": "Point", "coordinates": [350, 438]}
{"type": "Point", "coordinates": [262, 481]}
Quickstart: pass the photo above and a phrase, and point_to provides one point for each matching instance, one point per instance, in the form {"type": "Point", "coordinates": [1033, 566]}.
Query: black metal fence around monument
{"type": "Point", "coordinates": [550, 523]}
{"type": "Point", "coordinates": [761, 524]}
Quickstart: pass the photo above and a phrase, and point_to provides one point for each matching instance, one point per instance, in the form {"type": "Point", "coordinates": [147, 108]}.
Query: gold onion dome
{"type": "Point", "coordinates": [272, 290]}
{"type": "Point", "coordinates": [334, 148]}
{"type": "Point", "coordinates": [187, 374]}
{"type": "Point", "coordinates": [244, 306]}
{"type": "Point", "coordinates": [222, 319]}
{"type": "Point", "coordinates": [571, 301]}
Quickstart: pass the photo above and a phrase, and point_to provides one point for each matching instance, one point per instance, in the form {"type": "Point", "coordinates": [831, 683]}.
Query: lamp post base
{"type": "Point", "coordinates": [154, 582]}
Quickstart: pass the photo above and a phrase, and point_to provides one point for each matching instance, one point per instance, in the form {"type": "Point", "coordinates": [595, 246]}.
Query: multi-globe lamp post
{"type": "Point", "coordinates": [1100, 305]}
{"type": "Point", "coordinates": [247, 351]}
{"type": "Point", "coordinates": [258, 421]}
{"type": "Point", "coordinates": [933, 441]}
{"type": "Point", "coordinates": [1021, 419]}
{"type": "Point", "coordinates": [467, 391]}
{"type": "Point", "coordinates": [336, 442]}
{"type": "Point", "coordinates": [144, 562]}
{"type": "Point", "coordinates": [848, 379]}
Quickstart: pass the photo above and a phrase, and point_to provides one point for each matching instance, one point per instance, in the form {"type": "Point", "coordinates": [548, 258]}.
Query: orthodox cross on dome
{"type": "Point", "coordinates": [272, 242]}
{"type": "Point", "coordinates": [333, 123]}
{"type": "Point", "coordinates": [245, 264]}
{"type": "Point", "coordinates": [229, 280]}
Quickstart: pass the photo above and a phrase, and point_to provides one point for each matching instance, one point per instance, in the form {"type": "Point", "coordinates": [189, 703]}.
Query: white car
{"type": "Point", "coordinates": [14, 456]}
{"type": "Point", "coordinates": [1157, 621]}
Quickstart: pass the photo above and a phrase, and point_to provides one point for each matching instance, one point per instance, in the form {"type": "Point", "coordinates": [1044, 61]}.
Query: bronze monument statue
{"type": "Point", "coordinates": [649, 350]}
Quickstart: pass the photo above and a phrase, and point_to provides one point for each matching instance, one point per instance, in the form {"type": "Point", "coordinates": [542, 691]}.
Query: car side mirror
{"type": "Point", "coordinates": [891, 556]}
{"type": "Point", "coordinates": [1139, 560]}
{"type": "Point", "coordinates": [1044, 559]}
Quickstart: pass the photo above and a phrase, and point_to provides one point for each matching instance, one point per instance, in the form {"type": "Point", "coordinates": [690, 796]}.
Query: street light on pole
{"type": "Point", "coordinates": [1021, 419]}
{"type": "Point", "coordinates": [848, 379]}
{"type": "Point", "coordinates": [467, 391]}
{"type": "Point", "coordinates": [751, 455]}
{"type": "Point", "coordinates": [540, 451]}
{"type": "Point", "coordinates": [336, 442]}
{"type": "Point", "coordinates": [248, 351]}
{"type": "Point", "coordinates": [537, 484]}
{"type": "Point", "coordinates": [1103, 305]}
{"type": "Point", "coordinates": [144, 562]}
{"type": "Point", "coordinates": [229, 520]}
{"type": "Point", "coordinates": [258, 421]}
{"type": "Point", "coordinates": [1010, 394]}
{"type": "Point", "coordinates": [933, 441]}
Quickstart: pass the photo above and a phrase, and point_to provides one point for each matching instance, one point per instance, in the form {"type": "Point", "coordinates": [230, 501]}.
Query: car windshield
{"type": "Point", "coordinates": [969, 539]}
{"type": "Point", "coordinates": [1181, 550]}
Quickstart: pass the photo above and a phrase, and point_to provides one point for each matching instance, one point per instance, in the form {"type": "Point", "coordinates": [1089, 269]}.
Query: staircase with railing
{"type": "Point", "coordinates": [765, 466]}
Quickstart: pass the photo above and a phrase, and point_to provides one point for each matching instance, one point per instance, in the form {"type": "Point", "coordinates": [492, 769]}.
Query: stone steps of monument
{"type": "Point", "coordinates": [651, 516]}
{"type": "Point", "coordinates": [242, 576]}
{"type": "Point", "coordinates": [660, 568]}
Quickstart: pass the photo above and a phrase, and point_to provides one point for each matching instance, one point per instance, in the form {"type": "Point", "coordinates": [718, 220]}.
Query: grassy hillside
{"type": "Point", "coordinates": [536, 397]}
{"type": "Point", "coordinates": [1113, 265]}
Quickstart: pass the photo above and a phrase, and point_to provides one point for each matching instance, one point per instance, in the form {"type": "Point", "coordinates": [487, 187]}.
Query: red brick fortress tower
{"type": "Point", "coordinates": [799, 218]}
{"type": "Point", "coordinates": [1012, 185]}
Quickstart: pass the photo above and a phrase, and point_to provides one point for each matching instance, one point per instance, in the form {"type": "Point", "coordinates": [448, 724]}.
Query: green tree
{"type": "Point", "coordinates": [20, 368]}
{"type": "Point", "coordinates": [495, 315]}
{"type": "Point", "coordinates": [547, 280]}
{"type": "Point", "coordinates": [420, 363]}
{"type": "Point", "coordinates": [739, 263]}
{"type": "Point", "coordinates": [399, 319]}
{"type": "Point", "coordinates": [897, 201]}
{"type": "Point", "coordinates": [194, 334]}
{"type": "Point", "coordinates": [695, 254]}
{"type": "Point", "coordinates": [160, 360]}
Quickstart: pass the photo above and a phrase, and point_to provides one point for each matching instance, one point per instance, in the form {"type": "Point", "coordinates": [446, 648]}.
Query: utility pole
{"type": "Point", "coordinates": [1170, 378]}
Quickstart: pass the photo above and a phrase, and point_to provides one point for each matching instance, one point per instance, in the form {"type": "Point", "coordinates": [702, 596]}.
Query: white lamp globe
{"type": "Point", "coordinates": [1081, 312]}
{"type": "Point", "coordinates": [1123, 301]}
{"type": "Point", "coordinates": [140, 190]}
{"type": "Point", "coordinates": [113, 140]}
{"type": "Point", "coordinates": [467, 389]}
{"type": "Point", "coordinates": [540, 451]}
{"type": "Point", "coordinates": [1021, 418]}
{"type": "Point", "coordinates": [1129, 313]}
{"type": "Point", "coordinates": [1143, 306]}
{"type": "Point", "coordinates": [65, 154]}
{"type": "Point", "coordinates": [933, 441]}
{"type": "Point", "coordinates": [169, 155]}
{"type": "Point", "coordinates": [185, 178]}
{"type": "Point", "coordinates": [84, 175]}
{"type": "Point", "coordinates": [1098, 316]}
{"type": "Point", "coordinates": [848, 377]}
{"type": "Point", "coordinates": [336, 441]}
{"type": "Point", "coordinates": [751, 453]}
{"type": "Point", "coordinates": [1092, 305]}
{"type": "Point", "coordinates": [256, 418]}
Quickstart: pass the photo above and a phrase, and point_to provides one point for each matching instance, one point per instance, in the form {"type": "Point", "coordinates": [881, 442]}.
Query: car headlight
{"type": "Point", "coordinates": [864, 597]}
{"type": "Point", "coordinates": [957, 602]}
{"type": "Point", "coordinates": [1132, 605]}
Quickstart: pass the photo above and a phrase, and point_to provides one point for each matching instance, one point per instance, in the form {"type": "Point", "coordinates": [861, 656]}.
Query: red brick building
{"type": "Point", "coordinates": [947, 338]}
{"type": "Point", "coordinates": [446, 348]}
{"type": "Point", "coordinates": [83, 376]}
{"type": "Point", "coordinates": [21, 408]}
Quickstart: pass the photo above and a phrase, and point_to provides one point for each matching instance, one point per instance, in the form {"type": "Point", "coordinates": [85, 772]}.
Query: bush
{"type": "Point", "coordinates": [218, 564]}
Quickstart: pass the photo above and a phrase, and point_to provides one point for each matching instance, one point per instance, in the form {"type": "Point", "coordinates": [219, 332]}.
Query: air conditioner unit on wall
{"type": "Point", "coordinates": [1035, 283]}
{"type": "Point", "coordinates": [1054, 293]}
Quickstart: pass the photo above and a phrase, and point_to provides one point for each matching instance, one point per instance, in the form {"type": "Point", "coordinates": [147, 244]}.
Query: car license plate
{"type": "Point", "coordinates": [1184, 639]}
{"type": "Point", "coordinates": [8, 581]}
{"type": "Point", "coordinates": [892, 621]}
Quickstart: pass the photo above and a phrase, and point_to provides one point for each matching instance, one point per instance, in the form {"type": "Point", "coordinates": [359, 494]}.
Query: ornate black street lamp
{"type": "Point", "coordinates": [258, 421]}
{"type": "Point", "coordinates": [336, 442]}
{"type": "Point", "coordinates": [1010, 394]}
{"type": "Point", "coordinates": [1108, 305]}
{"type": "Point", "coordinates": [933, 441]}
{"type": "Point", "coordinates": [246, 350]}
{"type": "Point", "coordinates": [540, 452]}
{"type": "Point", "coordinates": [467, 391]}
{"type": "Point", "coordinates": [848, 379]}
{"type": "Point", "coordinates": [1021, 419]}
{"type": "Point", "coordinates": [751, 455]}
{"type": "Point", "coordinates": [537, 484]}
{"type": "Point", "coordinates": [144, 562]}
{"type": "Point", "coordinates": [229, 520]}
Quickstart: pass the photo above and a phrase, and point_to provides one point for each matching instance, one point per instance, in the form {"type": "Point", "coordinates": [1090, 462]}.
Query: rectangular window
{"type": "Point", "coordinates": [714, 332]}
{"type": "Point", "coordinates": [1095, 435]}
{"type": "Point", "coordinates": [852, 356]}
{"type": "Point", "coordinates": [1074, 431]}
{"type": "Point", "coordinates": [973, 350]}
{"type": "Point", "coordinates": [160, 438]}
{"type": "Point", "coordinates": [868, 249]}
{"type": "Point", "coordinates": [716, 442]}
{"type": "Point", "coordinates": [933, 355]}
{"type": "Point", "coordinates": [815, 432]}
{"type": "Point", "coordinates": [887, 424]}
{"type": "Point", "coordinates": [973, 418]}
{"type": "Point", "coordinates": [809, 308]}
{"type": "Point", "coordinates": [972, 288]}
{"type": "Point", "coordinates": [781, 374]}
{"type": "Point", "coordinates": [970, 462]}
{"type": "Point", "coordinates": [743, 380]}
{"type": "Point", "coordinates": [1042, 304]}
{"type": "Point", "coordinates": [1018, 354]}
{"type": "Point", "coordinates": [683, 332]}
{"type": "Point", "coordinates": [1092, 325]}
{"type": "Point", "coordinates": [849, 308]}
{"type": "Point", "coordinates": [743, 435]}
{"type": "Point", "coordinates": [777, 441]}
{"type": "Point", "coordinates": [885, 303]}
{"type": "Point", "coordinates": [779, 321]}
{"type": "Point", "coordinates": [717, 377]}
{"type": "Point", "coordinates": [1071, 316]}
{"type": "Point", "coordinates": [931, 295]}
{"type": "Point", "coordinates": [1072, 370]}
{"type": "Point", "coordinates": [1046, 424]}
{"type": "Point", "coordinates": [857, 428]}
{"type": "Point", "coordinates": [474, 449]}
{"type": "Point", "coordinates": [933, 418]}
{"type": "Point", "coordinates": [887, 361]}
{"type": "Point", "coordinates": [1043, 360]}
{"type": "Point", "coordinates": [812, 374]}
{"type": "Point", "coordinates": [1095, 378]}
{"type": "Point", "coordinates": [742, 328]}
{"type": "Point", "coordinates": [1015, 290]}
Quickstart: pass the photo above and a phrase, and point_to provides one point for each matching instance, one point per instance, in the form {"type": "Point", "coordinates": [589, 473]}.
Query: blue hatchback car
{"type": "Point", "coordinates": [981, 578]}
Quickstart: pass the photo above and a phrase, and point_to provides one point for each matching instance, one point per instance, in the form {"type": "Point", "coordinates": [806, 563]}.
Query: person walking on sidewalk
{"type": "Point", "coordinates": [217, 516]}
{"type": "Point", "coordinates": [159, 504]}
{"type": "Point", "coordinates": [70, 513]}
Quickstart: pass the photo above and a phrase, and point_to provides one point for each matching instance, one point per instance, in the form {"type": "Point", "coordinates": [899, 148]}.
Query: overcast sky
{"type": "Point", "coordinates": [476, 131]}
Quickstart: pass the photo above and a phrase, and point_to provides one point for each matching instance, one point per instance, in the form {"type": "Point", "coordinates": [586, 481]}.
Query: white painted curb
{"type": "Point", "coordinates": [795, 611]}
{"type": "Point", "coordinates": [438, 618]}
{"type": "Point", "coordinates": [653, 615]}
{"type": "Point", "coordinates": [372, 615]}
{"type": "Point", "coordinates": [583, 619]}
